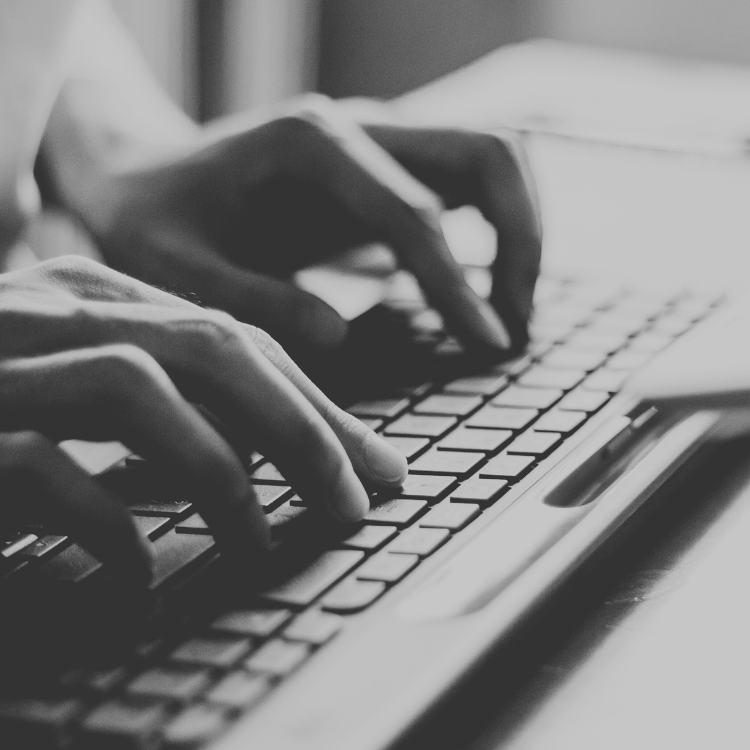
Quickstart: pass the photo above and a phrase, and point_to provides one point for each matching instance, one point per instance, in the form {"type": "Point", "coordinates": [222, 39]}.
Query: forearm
{"type": "Point", "coordinates": [110, 113]}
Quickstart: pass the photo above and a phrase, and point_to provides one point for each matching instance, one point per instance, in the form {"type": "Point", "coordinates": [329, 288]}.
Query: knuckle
{"type": "Point", "coordinates": [266, 344]}
{"type": "Point", "coordinates": [120, 367]}
{"type": "Point", "coordinates": [213, 334]}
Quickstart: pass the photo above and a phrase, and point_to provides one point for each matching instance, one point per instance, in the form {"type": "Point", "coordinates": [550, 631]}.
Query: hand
{"type": "Point", "coordinates": [88, 353]}
{"type": "Point", "coordinates": [231, 215]}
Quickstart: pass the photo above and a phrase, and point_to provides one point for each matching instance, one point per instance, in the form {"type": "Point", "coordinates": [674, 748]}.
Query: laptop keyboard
{"type": "Point", "coordinates": [468, 439]}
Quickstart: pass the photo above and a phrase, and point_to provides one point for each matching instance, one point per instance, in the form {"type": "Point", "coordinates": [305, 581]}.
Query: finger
{"type": "Point", "coordinates": [364, 178]}
{"type": "Point", "coordinates": [372, 457]}
{"type": "Point", "coordinates": [119, 392]}
{"type": "Point", "coordinates": [216, 364]}
{"type": "Point", "coordinates": [491, 172]}
{"type": "Point", "coordinates": [40, 481]}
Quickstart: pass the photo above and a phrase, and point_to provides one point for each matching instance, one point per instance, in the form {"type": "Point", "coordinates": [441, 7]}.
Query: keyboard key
{"type": "Point", "coordinates": [102, 681]}
{"type": "Point", "coordinates": [313, 627]}
{"type": "Point", "coordinates": [534, 398]}
{"type": "Point", "coordinates": [409, 447]}
{"type": "Point", "coordinates": [194, 726]}
{"type": "Point", "coordinates": [43, 546]}
{"type": "Point", "coordinates": [387, 567]}
{"type": "Point", "coordinates": [73, 565]}
{"type": "Point", "coordinates": [548, 377]}
{"type": "Point", "coordinates": [382, 408]}
{"type": "Point", "coordinates": [426, 486]}
{"type": "Point", "coordinates": [560, 421]}
{"type": "Point", "coordinates": [287, 512]}
{"type": "Point", "coordinates": [577, 359]}
{"type": "Point", "coordinates": [192, 525]}
{"type": "Point", "coordinates": [239, 690]}
{"type": "Point", "coordinates": [535, 443]}
{"type": "Point", "coordinates": [370, 538]}
{"type": "Point", "coordinates": [351, 596]}
{"type": "Point", "coordinates": [398, 512]}
{"type": "Point", "coordinates": [118, 724]}
{"type": "Point", "coordinates": [467, 439]}
{"type": "Point", "coordinates": [372, 423]}
{"type": "Point", "coordinates": [259, 623]}
{"type": "Point", "coordinates": [501, 418]}
{"type": "Point", "coordinates": [441, 403]}
{"type": "Point", "coordinates": [457, 463]}
{"type": "Point", "coordinates": [176, 553]}
{"type": "Point", "coordinates": [605, 380]}
{"type": "Point", "coordinates": [508, 466]}
{"type": "Point", "coordinates": [419, 541]}
{"type": "Point", "coordinates": [267, 473]}
{"type": "Point", "coordinates": [270, 496]}
{"type": "Point", "coordinates": [478, 385]}
{"type": "Point", "coordinates": [174, 509]}
{"type": "Point", "coordinates": [152, 526]}
{"type": "Point", "coordinates": [15, 542]}
{"type": "Point", "coordinates": [169, 684]}
{"type": "Point", "coordinates": [598, 342]}
{"type": "Point", "coordinates": [220, 653]}
{"type": "Point", "coordinates": [627, 359]}
{"type": "Point", "coordinates": [320, 575]}
{"type": "Point", "coordinates": [448, 515]}
{"type": "Point", "coordinates": [420, 425]}
{"type": "Point", "coordinates": [581, 400]}
{"type": "Point", "coordinates": [482, 491]}
{"type": "Point", "coordinates": [36, 722]}
{"type": "Point", "coordinates": [278, 657]}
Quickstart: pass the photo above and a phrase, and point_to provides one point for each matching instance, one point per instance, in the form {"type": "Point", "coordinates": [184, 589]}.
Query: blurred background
{"type": "Point", "coordinates": [222, 56]}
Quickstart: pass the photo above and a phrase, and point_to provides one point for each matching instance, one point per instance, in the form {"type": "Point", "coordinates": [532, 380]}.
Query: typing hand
{"type": "Point", "coordinates": [231, 216]}
{"type": "Point", "coordinates": [88, 353]}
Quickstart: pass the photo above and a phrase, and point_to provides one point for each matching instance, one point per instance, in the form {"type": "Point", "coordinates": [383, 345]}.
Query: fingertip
{"type": "Point", "coordinates": [386, 464]}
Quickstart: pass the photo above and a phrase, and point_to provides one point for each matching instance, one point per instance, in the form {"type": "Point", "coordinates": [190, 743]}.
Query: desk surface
{"type": "Point", "coordinates": [654, 651]}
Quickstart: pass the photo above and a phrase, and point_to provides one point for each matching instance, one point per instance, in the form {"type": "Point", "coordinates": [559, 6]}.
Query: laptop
{"type": "Point", "coordinates": [520, 472]}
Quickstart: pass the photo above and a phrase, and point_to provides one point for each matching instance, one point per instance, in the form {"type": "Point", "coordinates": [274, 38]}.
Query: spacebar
{"type": "Point", "coordinates": [321, 574]}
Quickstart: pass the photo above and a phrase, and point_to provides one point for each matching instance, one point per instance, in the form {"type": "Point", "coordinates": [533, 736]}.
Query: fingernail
{"type": "Point", "coordinates": [384, 461]}
{"type": "Point", "coordinates": [495, 332]}
{"type": "Point", "coordinates": [349, 501]}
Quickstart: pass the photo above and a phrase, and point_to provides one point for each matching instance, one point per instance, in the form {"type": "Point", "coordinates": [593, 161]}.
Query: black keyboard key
{"type": "Point", "coordinates": [36, 722]}
{"type": "Point", "coordinates": [175, 553]}
{"type": "Point", "coordinates": [44, 546]}
{"type": "Point", "coordinates": [548, 377]}
{"type": "Point", "coordinates": [478, 385]}
{"type": "Point", "coordinates": [267, 473]}
{"type": "Point", "coordinates": [174, 509]}
{"type": "Point", "coordinates": [507, 466]}
{"type": "Point", "coordinates": [122, 725]}
{"type": "Point", "coordinates": [14, 542]}
{"type": "Point", "coordinates": [535, 443]}
{"type": "Point", "coordinates": [409, 447]}
{"type": "Point", "coordinates": [468, 439]}
{"type": "Point", "coordinates": [385, 408]}
{"type": "Point", "coordinates": [219, 653]}
{"type": "Point", "coordinates": [369, 538]}
{"type": "Point", "coordinates": [534, 398]}
{"type": "Point", "coordinates": [420, 425]}
{"type": "Point", "coordinates": [387, 567]}
{"type": "Point", "coordinates": [429, 487]}
{"type": "Point", "coordinates": [441, 403]}
{"type": "Point", "coordinates": [419, 541]}
{"type": "Point", "coordinates": [314, 627]}
{"type": "Point", "coordinates": [502, 418]}
{"type": "Point", "coordinates": [179, 685]}
{"type": "Point", "coordinates": [271, 496]}
{"type": "Point", "coordinates": [194, 726]}
{"type": "Point", "coordinates": [396, 512]}
{"type": "Point", "coordinates": [192, 525]}
{"type": "Point", "coordinates": [581, 400]}
{"type": "Point", "coordinates": [352, 596]}
{"type": "Point", "coordinates": [482, 491]}
{"type": "Point", "coordinates": [259, 623]}
{"type": "Point", "coordinates": [560, 421]}
{"type": "Point", "coordinates": [457, 463]}
{"type": "Point", "coordinates": [239, 690]}
{"type": "Point", "coordinates": [319, 576]}
{"type": "Point", "coordinates": [278, 657]}
{"type": "Point", "coordinates": [152, 526]}
{"type": "Point", "coordinates": [73, 565]}
{"type": "Point", "coordinates": [448, 515]}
